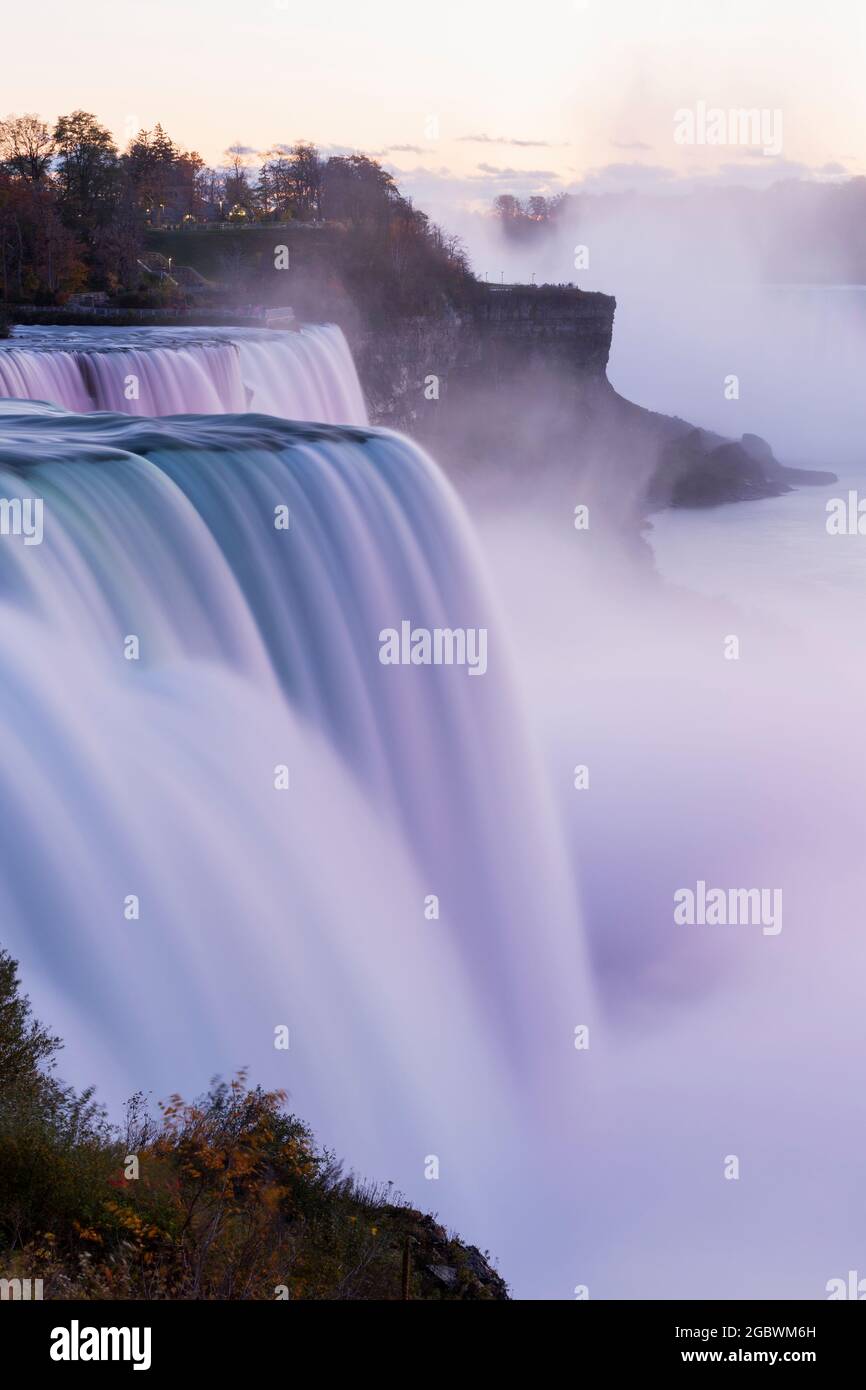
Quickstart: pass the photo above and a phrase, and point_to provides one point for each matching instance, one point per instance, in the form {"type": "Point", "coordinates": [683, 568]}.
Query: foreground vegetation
{"type": "Point", "coordinates": [225, 1198]}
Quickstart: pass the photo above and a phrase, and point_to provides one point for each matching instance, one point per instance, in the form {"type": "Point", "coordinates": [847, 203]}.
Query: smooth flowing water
{"type": "Point", "coordinates": [201, 622]}
{"type": "Point", "coordinates": [306, 374]}
{"type": "Point", "coordinates": [256, 659]}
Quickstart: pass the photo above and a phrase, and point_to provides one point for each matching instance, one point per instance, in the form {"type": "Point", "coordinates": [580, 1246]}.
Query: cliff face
{"type": "Point", "coordinates": [514, 387]}
{"type": "Point", "coordinates": [550, 323]}
{"type": "Point", "coordinates": [506, 334]}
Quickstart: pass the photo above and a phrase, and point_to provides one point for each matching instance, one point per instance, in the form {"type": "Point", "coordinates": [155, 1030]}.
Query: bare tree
{"type": "Point", "coordinates": [26, 147]}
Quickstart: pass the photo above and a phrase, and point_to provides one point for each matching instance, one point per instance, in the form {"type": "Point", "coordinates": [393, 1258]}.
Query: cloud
{"type": "Point", "coordinates": [621, 177]}
{"type": "Point", "coordinates": [420, 172]}
{"type": "Point", "coordinates": [496, 172]}
{"type": "Point", "coordinates": [746, 172]}
{"type": "Point", "coordinates": [326, 151]}
{"type": "Point", "coordinates": [505, 140]}
{"type": "Point", "coordinates": [760, 173]}
{"type": "Point", "coordinates": [397, 149]}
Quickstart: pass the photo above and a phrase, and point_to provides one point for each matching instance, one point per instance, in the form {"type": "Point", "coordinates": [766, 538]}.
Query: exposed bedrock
{"type": "Point", "coordinates": [516, 386]}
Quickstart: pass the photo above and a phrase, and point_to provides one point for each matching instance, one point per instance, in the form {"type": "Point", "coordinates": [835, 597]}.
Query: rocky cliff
{"type": "Point", "coordinates": [506, 333]}
{"type": "Point", "coordinates": [515, 384]}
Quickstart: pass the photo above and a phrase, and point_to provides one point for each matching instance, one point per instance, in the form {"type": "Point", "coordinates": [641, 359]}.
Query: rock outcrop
{"type": "Point", "coordinates": [515, 386]}
{"type": "Point", "coordinates": [440, 1266]}
{"type": "Point", "coordinates": [699, 469]}
{"type": "Point", "coordinates": [503, 336]}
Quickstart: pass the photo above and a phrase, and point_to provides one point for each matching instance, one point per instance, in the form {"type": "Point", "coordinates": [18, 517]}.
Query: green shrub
{"type": "Point", "coordinates": [228, 1197]}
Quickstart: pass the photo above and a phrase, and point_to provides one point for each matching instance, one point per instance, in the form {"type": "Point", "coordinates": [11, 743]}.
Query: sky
{"type": "Point", "coordinates": [464, 99]}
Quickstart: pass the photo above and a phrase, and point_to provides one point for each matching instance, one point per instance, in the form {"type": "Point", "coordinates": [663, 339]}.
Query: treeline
{"type": "Point", "coordinates": [75, 211]}
{"type": "Point", "coordinates": [523, 217]}
{"type": "Point", "coordinates": [226, 1198]}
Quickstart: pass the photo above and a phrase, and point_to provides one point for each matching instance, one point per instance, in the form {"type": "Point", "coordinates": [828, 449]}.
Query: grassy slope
{"type": "Point", "coordinates": [225, 1198]}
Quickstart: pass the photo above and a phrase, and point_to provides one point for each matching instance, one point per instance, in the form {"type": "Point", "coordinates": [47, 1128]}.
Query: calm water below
{"type": "Point", "coordinates": [775, 556]}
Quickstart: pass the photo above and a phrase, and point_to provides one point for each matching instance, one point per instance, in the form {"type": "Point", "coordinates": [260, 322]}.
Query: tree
{"type": "Point", "coordinates": [87, 171]}
{"type": "Point", "coordinates": [148, 164]}
{"type": "Point", "coordinates": [185, 194]}
{"type": "Point", "coordinates": [237, 190]}
{"type": "Point", "coordinates": [207, 188]}
{"type": "Point", "coordinates": [51, 1138]}
{"type": "Point", "coordinates": [40, 259]}
{"type": "Point", "coordinates": [164, 179]}
{"type": "Point", "coordinates": [26, 147]}
{"type": "Point", "coordinates": [305, 175]}
{"type": "Point", "coordinates": [357, 190]}
{"type": "Point", "coordinates": [290, 183]}
{"type": "Point", "coordinates": [276, 187]}
{"type": "Point", "coordinates": [507, 207]}
{"type": "Point", "coordinates": [27, 1050]}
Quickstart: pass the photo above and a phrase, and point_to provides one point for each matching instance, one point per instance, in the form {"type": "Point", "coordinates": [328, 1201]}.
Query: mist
{"type": "Point", "coordinates": [712, 1042]}
{"type": "Point", "coordinates": [712, 283]}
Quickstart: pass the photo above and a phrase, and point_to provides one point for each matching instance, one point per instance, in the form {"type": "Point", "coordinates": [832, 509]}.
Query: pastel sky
{"type": "Point", "coordinates": [525, 98]}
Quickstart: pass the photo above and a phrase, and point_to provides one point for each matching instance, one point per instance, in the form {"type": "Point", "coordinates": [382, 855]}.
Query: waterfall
{"type": "Point", "coordinates": [153, 779]}
{"type": "Point", "coordinates": [304, 375]}
{"type": "Point", "coordinates": [166, 650]}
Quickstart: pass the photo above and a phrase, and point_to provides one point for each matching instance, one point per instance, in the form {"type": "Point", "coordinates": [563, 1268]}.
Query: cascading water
{"type": "Point", "coordinates": [306, 374]}
{"type": "Point", "coordinates": [258, 647]}
{"type": "Point", "coordinates": [413, 1034]}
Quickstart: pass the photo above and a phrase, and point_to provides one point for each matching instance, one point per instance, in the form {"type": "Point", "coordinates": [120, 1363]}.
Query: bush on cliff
{"type": "Point", "coordinates": [225, 1198]}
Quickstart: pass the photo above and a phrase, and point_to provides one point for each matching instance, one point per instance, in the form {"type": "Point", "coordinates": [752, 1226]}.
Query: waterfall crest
{"type": "Point", "coordinates": [306, 374]}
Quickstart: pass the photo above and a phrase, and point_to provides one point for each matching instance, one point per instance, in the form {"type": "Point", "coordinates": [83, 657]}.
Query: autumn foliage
{"type": "Point", "coordinates": [225, 1198]}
